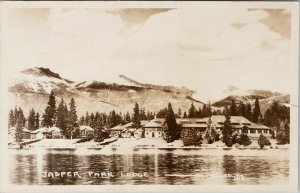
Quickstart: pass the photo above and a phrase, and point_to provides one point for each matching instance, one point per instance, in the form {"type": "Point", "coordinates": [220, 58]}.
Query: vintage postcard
{"type": "Point", "coordinates": [149, 96]}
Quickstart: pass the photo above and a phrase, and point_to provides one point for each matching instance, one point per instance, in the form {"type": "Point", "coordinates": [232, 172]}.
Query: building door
{"type": "Point", "coordinates": [153, 134]}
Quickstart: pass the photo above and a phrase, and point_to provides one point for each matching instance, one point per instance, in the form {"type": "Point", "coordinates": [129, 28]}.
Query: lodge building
{"type": "Point", "coordinates": [239, 124]}
{"type": "Point", "coordinates": [154, 128]}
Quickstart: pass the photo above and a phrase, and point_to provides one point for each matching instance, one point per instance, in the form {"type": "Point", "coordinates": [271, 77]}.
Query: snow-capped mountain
{"type": "Point", "coordinates": [265, 97]}
{"type": "Point", "coordinates": [31, 87]}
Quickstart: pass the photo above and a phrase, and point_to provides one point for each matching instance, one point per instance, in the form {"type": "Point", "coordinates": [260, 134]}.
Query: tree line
{"type": "Point", "coordinates": [64, 116]}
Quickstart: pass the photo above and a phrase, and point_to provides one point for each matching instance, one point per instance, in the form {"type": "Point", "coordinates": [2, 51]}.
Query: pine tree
{"type": "Point", "coordinates": [31, 120]}
{"type": "Point", "coordinates": [37, 121]}
{"type": "Point", "coordinates": [112, 119]}
{"type": "Point", "coordinates": [256, 111]}
{"type": "Point", "coordinates": [190, 136]}
{"type": "Point", "coordinates": [50, 112]}
{"type": "Point", "coordinates": [127, 118]}
{"type": "Point", "coordinates": [81, 120]}
{"type": "Point", "coordinates": [11, 119]}
{"type": "Point", "coordinates": [179, 112]}
{"type": "Point", "coordinates": [227, 132]}
{"type": "Point", "coordinates": [87, 119]}
{"type": "Point", "coordinates": [242, 109]}
{"type": "Point", "coordinates": [184, 114]}
{"type": "Point", "coordinates": [143, 115]}
{"type": "Point", "coordinates": [199, 113]}
{"type": "Point", "coordinates": [162, 113]}
{"type": "Point", "coordinates": [192, 111]}
{"type": "Point", "coordinates": [233, 109]}
{"type": "Point", "coordinates": [72, 118]}
{"type": "Point", "coordinates": [19, 129]}
{"type": "Point", "coordinates": [92, 120]}
{"type": "Point", "coordinates": [15, 115]}
{"type": "Point", "coordinates": [171, 132]}
{"type": "Point", "coordinates": [287, 132]}
{"type": "Point", "coordinates": [61, 117]}
{"type": "Point", "coordinates": [136, 119]}
{"type": "Point", "coordinates": [20, 117]}
{"type": "Point", "coordinates": [97, 120]}
{"type": "Point", "coordinates": [248, 112]}
{"type": "Point", "coordinates": [208, 110]}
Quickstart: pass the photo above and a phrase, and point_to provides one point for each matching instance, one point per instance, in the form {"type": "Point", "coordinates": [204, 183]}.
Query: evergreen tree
{"type": "Point", "coordinates": [50, 112]}
{"type": "Point", "coordinates": [97, 121]}
{"type": "Point", "coordinates": [87, 119]}
{"type": "Point", "coordinates": [208, 110]}
{"type": "Point", "coordinates": [136, 118]}
{"type": "Point", "coordinates": [233, 109]}
{"type": "Point", "coordinates": [242, 109]}
{"type": "Point", "coordinates": [72, 118]}
{"type": "Point", "coordinates": [192, 111]}
{"type": "Point", "coordinates": [227, 132]}
{"type": "Point", "coordinates": [81, 120]}
{"type": "Point", "coordinates": [62, 117]}
{"type": "Point", "coordinates": [11, 119]}
{"type": "Point", "coordinates": [19, 116]}
{"type": "Point", "coordinates": [31, 120]}
{"type": "Point", "coordinates": [150, 115]}
{"type": "Point", "coordinates": [256, 111]}
{"type": "Point", "coordinates": [162, 113]}
{"type": "Point", "coordinates": [244, 140]}
{"type": "Point", "coordinates": [199, 113]}
{"type": "Point", "coordinates": [287, 132]}
{"type": "Point", "coordinates": [171, 132]}
{"type": "Point", "coordinates": [184, 114]}
{"type": "Point", "coordinates": [190, 136]}
{"type": "Point", "coordinates": [19, 129]}
{"type": "Point", "coordinates": [179, 112]}
{"type": "Point", "coordinates": [143, 115]}
{"type": "Point", "coordinates": [92, 120]}
{"type": "Point", "coordinates": [112, 119]}
{"type": "Point", "coordinates": [127, 118]}
{"type": "Point", "coordinates": [204, 111]}
{"type": "Point", "coordinates": [262, 141]}
{"type": "Point", "coordinates": [275, 115]}
{"type": "Point", "coordinates": [37, 121]}
{"type": "Point", "coordinates": [248, 112]}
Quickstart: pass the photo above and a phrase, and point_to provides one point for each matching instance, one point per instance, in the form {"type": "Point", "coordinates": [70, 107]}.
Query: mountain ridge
{"type": "Point", "coordinates": [32, 86]}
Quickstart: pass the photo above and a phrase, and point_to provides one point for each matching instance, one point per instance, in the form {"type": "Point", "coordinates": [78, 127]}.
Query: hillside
{"type": "Point", "coordinates": [31, 87]}
{"type": "Point", "coordinates": [265, 98]}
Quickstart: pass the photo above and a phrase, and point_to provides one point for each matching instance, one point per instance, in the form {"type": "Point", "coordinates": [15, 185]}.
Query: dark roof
{"type": "Point", "coordinates": [194, 125]}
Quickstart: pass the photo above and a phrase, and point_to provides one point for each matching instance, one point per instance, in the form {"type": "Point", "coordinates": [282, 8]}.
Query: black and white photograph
{"type": "Point", "coordinates": [180, 95]}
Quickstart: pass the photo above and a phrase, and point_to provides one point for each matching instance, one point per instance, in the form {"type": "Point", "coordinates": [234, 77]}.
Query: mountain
{"type": "Point", "coordinates": [265, 97]}
{"type": "Point", "coordinates": [30, 89]}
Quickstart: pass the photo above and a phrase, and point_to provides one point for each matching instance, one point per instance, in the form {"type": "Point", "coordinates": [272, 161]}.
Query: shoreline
{"type": "Point", "coordinates": [135, 145]}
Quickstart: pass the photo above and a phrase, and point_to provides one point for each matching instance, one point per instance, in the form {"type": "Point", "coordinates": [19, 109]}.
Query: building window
{"type": "Point", "coordinates": [259, 131]}
{"type": "Point", "coordinates": [252, 130]}
{"type": "Point", "coordinates": [265, 131]}
{"type": "Point", "coordinates": [147, 133]}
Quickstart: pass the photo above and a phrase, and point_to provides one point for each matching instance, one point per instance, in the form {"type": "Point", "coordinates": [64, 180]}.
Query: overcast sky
{"type": "Point", "coordinates": [203, 49]}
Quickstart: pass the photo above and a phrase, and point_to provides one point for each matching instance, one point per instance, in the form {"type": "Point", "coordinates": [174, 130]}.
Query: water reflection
{"type": "Point", "coordinates": [162, 167]}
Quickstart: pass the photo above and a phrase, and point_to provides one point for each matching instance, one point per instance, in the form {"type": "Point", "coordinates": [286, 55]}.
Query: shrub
{"type": "Point", "coordinates": [244, 140]}
{"type": "Point", "coordinates": [190, 137]}
{"type": "Point", "coordinates": [262, 141]}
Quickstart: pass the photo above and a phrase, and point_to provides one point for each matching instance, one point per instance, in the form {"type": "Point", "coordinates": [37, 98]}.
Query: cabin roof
{"type": "Point", "coordinates": [85, 127]}
{"type": "Point", "coordinates": [202, 125]}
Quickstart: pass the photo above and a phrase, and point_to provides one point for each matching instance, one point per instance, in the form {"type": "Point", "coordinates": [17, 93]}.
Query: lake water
{"type": "Point", "coordinates": [180, 167]}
